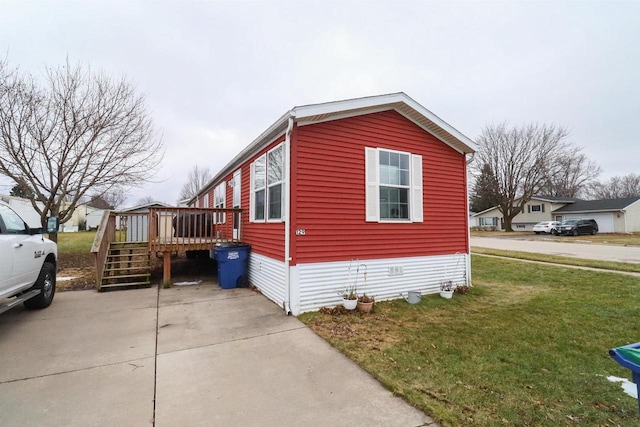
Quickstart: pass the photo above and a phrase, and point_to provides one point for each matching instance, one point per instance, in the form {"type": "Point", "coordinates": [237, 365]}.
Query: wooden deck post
{"type": "Point", "coordinates": [166, 276]}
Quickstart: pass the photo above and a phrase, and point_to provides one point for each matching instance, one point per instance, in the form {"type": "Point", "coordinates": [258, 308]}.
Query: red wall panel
{"type": "Point", "coordinates": [328, 192]}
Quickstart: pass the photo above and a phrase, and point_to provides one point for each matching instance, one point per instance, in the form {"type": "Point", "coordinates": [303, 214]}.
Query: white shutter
{"type": "Point", "coordinates": [224, 199]}
{"type": "Point", "coordinates": [416, 189]}
{"type": "Point", "coordinates": [252, 203]}
{"type": "Point", "coordinates": [372, 194]}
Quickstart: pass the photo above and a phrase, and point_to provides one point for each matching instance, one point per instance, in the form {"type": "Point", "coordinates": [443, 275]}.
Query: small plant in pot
{"type": "Point", "coordinates": [365, 303]}
{"type": "Point", "coordinates": [350, 297]}
{"type": "Point", "coordinates": [446, 289]}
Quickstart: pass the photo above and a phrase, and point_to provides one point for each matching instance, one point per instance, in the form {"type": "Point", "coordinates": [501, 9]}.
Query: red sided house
{"type": "Point", "coordinates": [378, 182]}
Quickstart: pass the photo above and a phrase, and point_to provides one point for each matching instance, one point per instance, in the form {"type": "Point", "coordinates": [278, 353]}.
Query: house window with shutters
{"type": "Point", "coordinates": [267, 183]}
{"type": "Point", "coordinates": [394, 186]}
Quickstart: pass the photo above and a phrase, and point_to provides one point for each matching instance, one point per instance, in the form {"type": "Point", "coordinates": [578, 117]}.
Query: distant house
{"type": "Point", "coordinates": [377, 182]}
{"type": "Point", "coordinates": [612, 216]}
{"type": "Point", "coordinates": [79, 219]}
{"type": "Point", "coordinates": [135, 221]}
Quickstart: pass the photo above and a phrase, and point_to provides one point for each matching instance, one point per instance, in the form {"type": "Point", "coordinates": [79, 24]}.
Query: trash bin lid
{"type": "Point", "coordinates": [631, 354]}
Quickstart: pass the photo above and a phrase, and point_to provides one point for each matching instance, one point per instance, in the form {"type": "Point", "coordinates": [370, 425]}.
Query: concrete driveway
{"type": "Point", "coordinates": [551, 247]}
{"type": "Point", "coordinates": [185, 356]}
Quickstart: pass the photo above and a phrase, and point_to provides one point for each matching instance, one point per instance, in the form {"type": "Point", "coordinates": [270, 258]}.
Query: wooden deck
{"type": "Point", "coordinates": [166, 232]}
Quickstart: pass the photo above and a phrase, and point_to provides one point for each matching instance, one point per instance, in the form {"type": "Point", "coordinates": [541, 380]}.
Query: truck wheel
{"type": "Point", "coordinates": [47, 284]}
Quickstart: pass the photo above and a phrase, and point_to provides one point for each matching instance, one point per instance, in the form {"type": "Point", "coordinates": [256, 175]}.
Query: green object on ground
{"type": "Point", "coordinates": [631, 354]}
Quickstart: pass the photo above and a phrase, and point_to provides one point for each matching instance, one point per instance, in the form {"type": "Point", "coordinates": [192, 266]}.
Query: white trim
{"type": "Point", "coordinates": [416, 202]}
{"type": "Point", "coordinates": [267, 211]}
{"type": "Point", "coordinates": [372, 179]}
{"type": "Point", "coordinates": [292, 299]}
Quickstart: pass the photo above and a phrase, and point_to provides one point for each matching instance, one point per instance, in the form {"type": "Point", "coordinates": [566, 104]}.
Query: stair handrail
{"type": "Point", "coordinates": [105, 235]}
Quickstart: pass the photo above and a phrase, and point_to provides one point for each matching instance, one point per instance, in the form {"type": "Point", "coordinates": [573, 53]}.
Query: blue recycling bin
{"type": "Point", "coordinates": [628, 356]}
{"type": "Point", "coordinates": [232, 264]}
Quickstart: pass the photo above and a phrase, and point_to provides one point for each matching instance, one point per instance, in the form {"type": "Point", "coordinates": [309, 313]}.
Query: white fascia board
{"type": "Point", "coordinates": [441, 123]}
{"type": "Point", "coordinates": [485, 211]}
{"type": "Point", "coordinates": [352, 107]}
{"type": "Point", "coordinates": [591, 211]}
{"type": "Point", "coordinates": [349, 104]}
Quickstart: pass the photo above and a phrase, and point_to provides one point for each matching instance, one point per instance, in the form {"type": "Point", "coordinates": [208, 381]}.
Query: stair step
{"type": "Point", "coordinates": [124, 285]}
{"type": "Point", "coordinates": [127, 252]}
{"type": "Point", "coordinates": [129, 244]}
{"type": "Point", "coordinates": [126, 276]}
{"type": "Point", "coordinates": [144, 263]}
{"type": "Point", "coordinates": [139, 268]}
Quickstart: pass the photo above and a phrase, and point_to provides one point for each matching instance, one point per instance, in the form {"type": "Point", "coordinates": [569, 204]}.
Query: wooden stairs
{"type": "Point", "coordinates": [128, 264]}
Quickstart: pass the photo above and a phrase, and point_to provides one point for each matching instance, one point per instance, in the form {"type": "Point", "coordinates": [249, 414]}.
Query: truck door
{"type": "Point", "coordinates": [15, 235]}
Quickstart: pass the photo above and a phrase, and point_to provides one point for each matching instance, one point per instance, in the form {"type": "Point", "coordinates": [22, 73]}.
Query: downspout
{"type": "Point", "coordinates": [468, 161]}
{"type": "Point", "coordinates": [287, 214]}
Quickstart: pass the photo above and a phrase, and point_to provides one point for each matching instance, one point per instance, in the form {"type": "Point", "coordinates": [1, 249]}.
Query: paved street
{"type": "Point", "coordinates": [551, 247]}
{"type": "Point", "coordinates": [188, 356]}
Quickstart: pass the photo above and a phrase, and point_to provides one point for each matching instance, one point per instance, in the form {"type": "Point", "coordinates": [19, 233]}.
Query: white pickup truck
{"type": "Point", "coordinates": [27, 263]}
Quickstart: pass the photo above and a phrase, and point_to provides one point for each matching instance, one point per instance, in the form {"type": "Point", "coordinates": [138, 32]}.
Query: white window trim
{"type": "Point", "coordinates": [252, 189]}
{"type": "Point", "coordinates": [372, 187]}
{"type": "Point", "coordinates": [269, 185]}
{"type": "Point", "coordinates": [237, 189]}
{"type": "Point", "coordinates": [220, 190]}
{"type": "Point", "coordinates": [206, 200]}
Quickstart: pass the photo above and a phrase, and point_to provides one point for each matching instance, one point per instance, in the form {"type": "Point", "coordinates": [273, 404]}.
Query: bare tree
{"type": "Point", "coordinates": [110, 200]}
{"type": "Point", "coordinates": [73, 133]}
{"type": "Point", "coordinates": [145, 201]}
{"type": "Point", "coordinates": [198, 178]}
{"type": "Point", "coordinates": [570, 174]}
{"type": "Point", "coordinates": [520, 159]}
{"type": "Point", "coordinates": [618, 187]}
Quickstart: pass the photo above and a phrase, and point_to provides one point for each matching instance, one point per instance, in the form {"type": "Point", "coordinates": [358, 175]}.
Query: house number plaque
{"type": "Point", "coordinates": [301, 232]}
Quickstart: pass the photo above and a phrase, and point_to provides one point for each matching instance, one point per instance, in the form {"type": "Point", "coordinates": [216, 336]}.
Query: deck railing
{"type": "Point", "coordinates": [167, 230]}
{"type": "Point", "coordinates": [182, 229]}
{"type": "Point", "coordinates": [105, 235]}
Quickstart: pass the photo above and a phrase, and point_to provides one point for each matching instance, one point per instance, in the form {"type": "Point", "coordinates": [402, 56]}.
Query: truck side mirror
{"type": "Point", "coordinates": [52, 224]}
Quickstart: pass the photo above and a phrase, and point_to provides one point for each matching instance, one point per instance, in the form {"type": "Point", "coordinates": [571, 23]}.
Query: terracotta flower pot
{"type": "Point", "coordinates": [364, 307]}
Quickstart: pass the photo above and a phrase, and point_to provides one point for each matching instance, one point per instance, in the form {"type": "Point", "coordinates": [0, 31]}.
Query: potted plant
{"type": "Point", "coordinates": [350, 297]}
{"type": "Point", "coordinates": [446, 289]}
{"type": "Point", "coordinates": [365, 303]}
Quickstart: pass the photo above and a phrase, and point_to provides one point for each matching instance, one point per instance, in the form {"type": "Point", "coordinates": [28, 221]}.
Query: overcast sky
{"type": "Point", "coordinates": [217, 74]}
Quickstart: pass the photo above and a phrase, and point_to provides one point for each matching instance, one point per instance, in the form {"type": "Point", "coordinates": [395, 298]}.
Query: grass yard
{"type": "Point", "coordinates": [73, 243]}
{"type": "Point", "coordinates": [556, 259]}
{"type": "Point", "coordinates": [527, 346]}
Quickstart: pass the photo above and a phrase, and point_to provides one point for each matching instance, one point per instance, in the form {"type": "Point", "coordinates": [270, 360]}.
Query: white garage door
{"type": "Point", "coordinates": [604, 220]}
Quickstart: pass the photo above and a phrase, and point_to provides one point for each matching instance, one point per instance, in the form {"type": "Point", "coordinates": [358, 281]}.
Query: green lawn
{"type": "Point", "coordinates": [73, 243]}
{"type": "Point", "coordinates": [527, 346]}
{"type": "Point", "coordinates": [556, 259]}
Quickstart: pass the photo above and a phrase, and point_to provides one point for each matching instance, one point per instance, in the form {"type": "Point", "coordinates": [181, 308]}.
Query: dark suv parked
{"type": "Point", "coordinates": [578, 226]}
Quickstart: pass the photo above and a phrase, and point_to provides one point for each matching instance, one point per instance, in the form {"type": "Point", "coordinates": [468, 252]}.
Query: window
{"type": "Point", "coordinates": [13, 224]}
{"type": "Point", "coordinates": [394, 186]}
{"type": "Point", "coordinates": [489, 222]}
{"type": "Point", "coordinates": [536, 208]}
{"type": "Point", "coordinates": [219, 196]}
{"type": "Point", "coordinates": [275, 177]}
{"type": "Point", "coordinates": [259, 181]}
{"type": "Point", "coordinates": [205, 204]}
{"type": "Point", "coordinates": [267, 179]}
